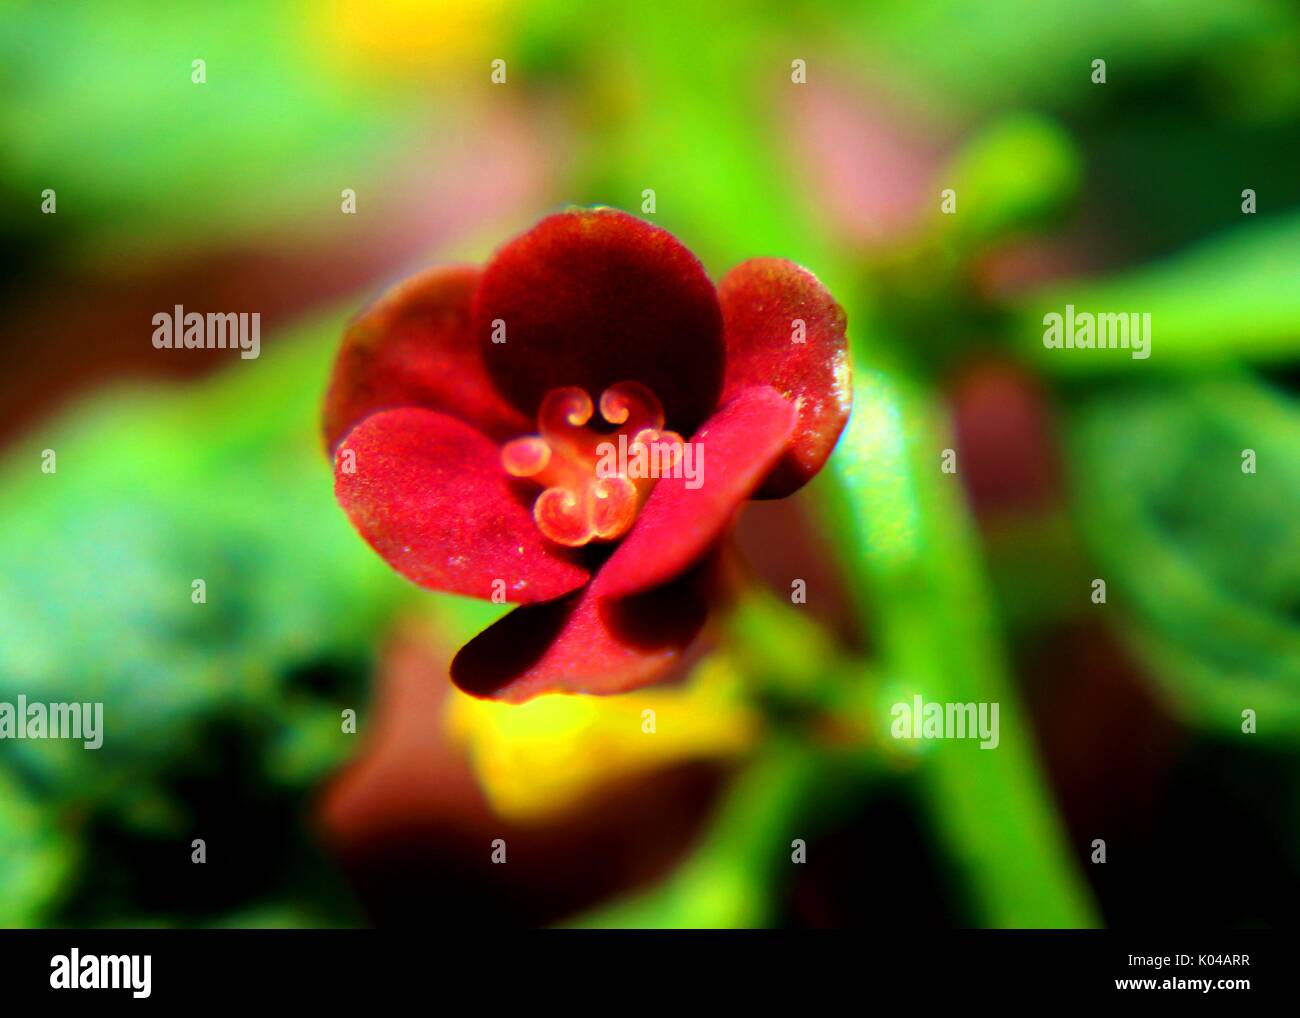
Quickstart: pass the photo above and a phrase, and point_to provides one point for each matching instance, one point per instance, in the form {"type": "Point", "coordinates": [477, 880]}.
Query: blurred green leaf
{"type": "Point", "coordinates": [1012, 177]}
{"type": "Point", "coordinates": [904, 524]}
{"type": "Point", "coordinates": [224, 481]}
{"type": "Point", "coordinates": [1235, 296]}
{"type": "Point", "coordinates": [34, 858]}
{"type": "Point", "coordinates": [732, 878]}
{"type": "Point", "coordinates": [1201, 560]}
{"type": "Point", "coordinates": [110, 119]}
{"type": "Point", "coordinates": [986, 56]}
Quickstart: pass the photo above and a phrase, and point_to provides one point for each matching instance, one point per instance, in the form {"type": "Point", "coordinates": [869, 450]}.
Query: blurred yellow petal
{"type": "Point", "coordinates": [409, 36]}
{"type": "Point", "coordinates": [547, 755]}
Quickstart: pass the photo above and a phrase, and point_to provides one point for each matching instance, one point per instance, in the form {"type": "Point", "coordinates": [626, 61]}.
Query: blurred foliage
{"type": "Point", "coordinates": [110, 118]}
{"type": "Point", "coordinates": [225, 717]}
{"type": "Point", "coordinates": [1202, 559]}
{"type": "Point", "coordinates": [224, 482]}
{"type": "Point", "coordinates": [1013, 49]}
{"type": "Point", "coordinates": [1235, 297]}
{"type": "Point", "coordinates": [734, 876]}
{"type": "Point", "coordinates": [903, 520]}
{"type": "Point", "coordinates": [1012, 178]}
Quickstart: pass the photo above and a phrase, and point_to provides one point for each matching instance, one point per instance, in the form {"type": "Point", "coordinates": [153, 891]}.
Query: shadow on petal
{"type": "Point", "coordinates": [586, 643]}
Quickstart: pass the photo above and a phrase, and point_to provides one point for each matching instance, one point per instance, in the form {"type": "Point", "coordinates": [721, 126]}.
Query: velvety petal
{"type": "Point", "coordinates": [415, 347]}
{"type": "Point", "coordinates": [595, 296]}
{"type": "Point", "coordinates": [734, 451]}
{"type": "Point", "coordinates": [586, 643]}
{"type": "Point", "coordinates": [761, 301]}
{"type": "Point", "coordinates": [428, 492]}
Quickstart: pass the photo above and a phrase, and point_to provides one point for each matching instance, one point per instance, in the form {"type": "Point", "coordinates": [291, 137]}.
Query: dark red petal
{"type": "Point", "coordinates": [428, 493]}
{"type": "Point", "coordinates": [585, 643]}
{"type": "Point", "coordinates": [593, 297]}
{"type": "Point", "coordinates": [677, 525]}
{"type": "Point", "coordinates": [414, 347]}
{"type": "Point", "coordinates": [761, 299]}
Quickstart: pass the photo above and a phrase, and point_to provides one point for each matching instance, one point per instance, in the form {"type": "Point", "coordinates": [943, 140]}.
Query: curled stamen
{"type": "Point", "coordinates": [658, 452]}
{"type": "Point", "coordinates": [563, 411]}
{"type": "Point", "coordinates": [526, 457]}
{"type": "Point", "coordinates": [613, 507]}
{"type": "Point", "coordinates": [562, 517]}
{"type": "Point", "coordinates": [631, 405]}
{"type": "Point", "coordinates": [594, 482]}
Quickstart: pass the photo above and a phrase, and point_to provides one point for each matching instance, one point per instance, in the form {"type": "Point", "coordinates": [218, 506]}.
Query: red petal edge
{"type": "Point", "coordinates": [762, 299]}
{"type": "Point", "coordinates": [740, 444]}
{"type": "Point", "coordinates": [586, 643]}
{"type": "Point", "coordinates": [596, 296]}
{"type": "Point", "coordinates": [414, 347]}
{"type": "Point", "coordinates": [429, 494]}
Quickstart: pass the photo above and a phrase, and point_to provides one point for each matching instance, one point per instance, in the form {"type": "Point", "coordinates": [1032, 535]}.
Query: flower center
{"type": "Point", "coordinates": [594, 480]}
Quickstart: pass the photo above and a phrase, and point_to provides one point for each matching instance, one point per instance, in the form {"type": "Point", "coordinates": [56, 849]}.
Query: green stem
{"type": "Point", "coordinates": [908, 528]}
{"type": "Point", "coordinates": [732, 876]}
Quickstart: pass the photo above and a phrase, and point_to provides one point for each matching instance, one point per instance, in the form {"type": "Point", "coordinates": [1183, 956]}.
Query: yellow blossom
{"type": "Point", "coordinates": [544, 756]}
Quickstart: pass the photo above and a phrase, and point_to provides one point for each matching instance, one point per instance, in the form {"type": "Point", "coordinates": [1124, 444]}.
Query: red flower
{"type": "Point", "coordinates": [471, 411]}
